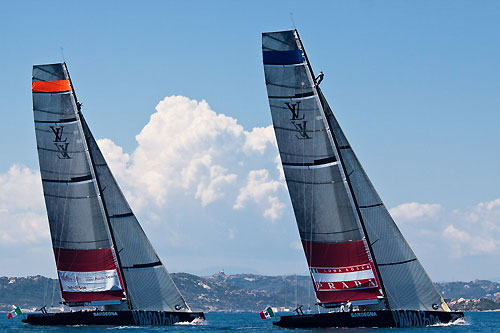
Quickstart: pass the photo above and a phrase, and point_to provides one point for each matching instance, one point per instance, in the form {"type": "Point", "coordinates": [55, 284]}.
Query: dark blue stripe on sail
{"type": "Point", "coordinates": [283, 57]}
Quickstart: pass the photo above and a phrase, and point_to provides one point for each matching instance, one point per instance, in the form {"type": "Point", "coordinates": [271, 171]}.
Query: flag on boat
{"type": "Point", "coordinates": [267, 313]}
{"type": "Point", "coordinates": [13, 313]}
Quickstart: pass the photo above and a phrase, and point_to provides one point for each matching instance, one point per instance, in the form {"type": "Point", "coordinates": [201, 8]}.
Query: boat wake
{"type": "Point", "coordinates": [124, 327]}
{"type": "Point", "coordinates": [196, 321]}
{"type": "Point", "coordinates": [456, 322]}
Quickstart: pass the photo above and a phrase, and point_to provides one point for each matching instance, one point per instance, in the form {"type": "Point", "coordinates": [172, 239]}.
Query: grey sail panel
{"type": "Point", "coordinates": [406, 283]}
{"type": "Point", "coordinates": [309, 162]}
{"type": "Point", "coordinates": [75, 217]}
{"type": "Point", "coordinates": [149, 285]}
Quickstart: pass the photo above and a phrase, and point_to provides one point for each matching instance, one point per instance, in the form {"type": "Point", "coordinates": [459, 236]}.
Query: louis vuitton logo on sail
{"type": "Point", "coordinates": [301, 127]}
{"type": "Point", "coordinates": [60, 143]}
{"type": "Point", "coordinates": [294, 109]}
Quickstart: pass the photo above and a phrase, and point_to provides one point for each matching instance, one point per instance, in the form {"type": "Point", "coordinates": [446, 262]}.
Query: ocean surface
{"type": "Point", "coordinates": [251, 322]}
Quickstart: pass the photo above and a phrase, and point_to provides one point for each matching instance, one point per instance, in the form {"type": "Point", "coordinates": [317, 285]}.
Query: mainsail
{"type": "Point", "coordinates": [354, 249]}
{"type": "Point", "coordinates": [103, 256]}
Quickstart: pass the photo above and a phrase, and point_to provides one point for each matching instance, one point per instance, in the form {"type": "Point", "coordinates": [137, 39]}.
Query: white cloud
{"type": "Point", "coordinates": [414, 210]}
{"type": "Point", "coordinates": [276, 208]}
{"type": "Point", "coordinates": [475, 231]}
{"type": "Point", "coordinates": [194, 176]}
{"type": "Point", "coordinates": [21, 189]}
{"type": "Point", "coordinates": [23, 228]}
{"type": "Point", "coordinates": [210, 188]}
{"type": "Point", "coordinates": [115, 157]}
{"type": "Point", "coordinates": [260, 189]}
{"type": "Point", "coordinates": [464, 243]}
{"type": "Point", "coordinates": [188, 149]}
{"type": "Point", "coordinates": [259, 138]}
{"type": "Point", "coordinates": [490, 205]}
{"type": "Point", "coordinates": [460, 232]}
{"type": "Point", "coordinates": [22, 210]}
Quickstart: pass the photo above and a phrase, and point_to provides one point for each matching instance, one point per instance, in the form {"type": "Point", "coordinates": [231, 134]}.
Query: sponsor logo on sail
{"type": "Point", "coordinates": [90, 281]}
{"type": "Point", "coordinates": [302, 129]}
{"type": "Point", "coordinates": [60, 143]}
{"type": "Point", "coordinates": [343, 278]}
{"type": "Point", "coordinates": [294, 109]}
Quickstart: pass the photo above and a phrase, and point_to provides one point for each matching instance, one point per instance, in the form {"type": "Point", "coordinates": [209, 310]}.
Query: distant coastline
{"type": "Point", "coordinates": [241, 293]}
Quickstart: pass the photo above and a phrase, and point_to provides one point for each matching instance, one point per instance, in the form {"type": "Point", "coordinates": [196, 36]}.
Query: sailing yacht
{"type": "Point", "coordinates": [355, 252]}
{"type": "Point", "coordinates": [105, 263]}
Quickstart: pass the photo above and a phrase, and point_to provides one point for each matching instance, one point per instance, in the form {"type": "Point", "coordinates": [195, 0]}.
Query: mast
{"type": "Point", "coordinates": [94, 171]}
{"type": "Point", "coordinates": [341, 160]}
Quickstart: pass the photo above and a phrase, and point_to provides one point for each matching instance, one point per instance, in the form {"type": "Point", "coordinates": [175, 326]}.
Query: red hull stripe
{"type": "Point", "coordinates": [84, 260]}
{"type": "Point", "coordinates": [50, 86]}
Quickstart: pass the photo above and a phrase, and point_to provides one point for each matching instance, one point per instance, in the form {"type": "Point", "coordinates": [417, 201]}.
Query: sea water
{"type": "Point", "coordinates": [251, 322]}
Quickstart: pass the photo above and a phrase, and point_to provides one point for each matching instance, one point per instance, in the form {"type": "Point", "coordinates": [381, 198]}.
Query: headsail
{"type": "Point", "coordinates": [96, 236]}
{"type": "Point", "coordinates": [336, 207]}
{"type": "Point", "coordinates": [405, 280]}
{"type": "Point", "coordinates": [140, 264]}
{"type": "Point", "coordinates": [338, 255]}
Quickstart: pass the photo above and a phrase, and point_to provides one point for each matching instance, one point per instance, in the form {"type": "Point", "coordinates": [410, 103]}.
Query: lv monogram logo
{"type": "Point", "coordinates": [63, 151]}
{"type": "Point", "coordinates": [58, 132]}
{"type": "Point", "coordinates": [60, 143]}
{"type": "Point", "coordinates": [294, 109]}
{"type": "Point", "coordinates": [302, 129]}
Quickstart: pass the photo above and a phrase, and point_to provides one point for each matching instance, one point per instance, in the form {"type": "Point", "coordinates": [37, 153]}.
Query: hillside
{"type": "Point", "coordinates": [241, 292]}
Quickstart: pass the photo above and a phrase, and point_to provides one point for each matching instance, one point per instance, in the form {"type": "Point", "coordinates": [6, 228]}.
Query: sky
{"type": "Point", "coordinates": [175, 93]}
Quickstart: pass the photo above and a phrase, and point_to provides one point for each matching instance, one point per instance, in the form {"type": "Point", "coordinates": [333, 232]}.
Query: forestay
{"type": "Point", "coordinates": [336, 250]}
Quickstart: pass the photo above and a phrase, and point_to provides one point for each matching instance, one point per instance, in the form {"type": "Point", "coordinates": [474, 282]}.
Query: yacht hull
{"type": "Point", "coordinates": [393, 318]}
{"type": "Point", "coordinates": [113, 318]}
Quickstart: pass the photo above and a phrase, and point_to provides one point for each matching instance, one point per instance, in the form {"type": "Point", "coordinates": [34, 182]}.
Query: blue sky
{"type": "Point", "coordinates": [414, 84]}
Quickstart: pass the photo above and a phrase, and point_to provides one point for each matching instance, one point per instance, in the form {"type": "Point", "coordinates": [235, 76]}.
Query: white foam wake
{"type": "Point", "coordinates": [456, 322]}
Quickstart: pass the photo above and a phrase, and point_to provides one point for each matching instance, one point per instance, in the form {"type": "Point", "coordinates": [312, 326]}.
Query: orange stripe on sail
{"type": "Point", "coordinates": [50, 86]}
